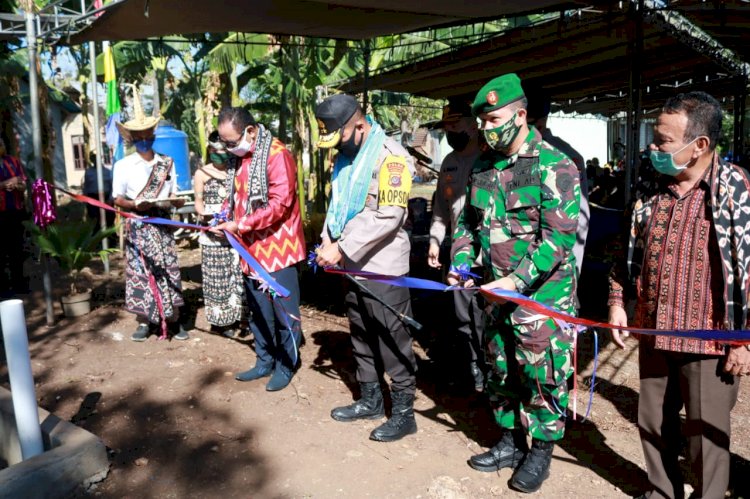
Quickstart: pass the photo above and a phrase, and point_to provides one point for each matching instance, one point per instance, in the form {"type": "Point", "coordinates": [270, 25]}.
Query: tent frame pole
{"type": "Point", "coordinates": [739, 120]}
{"type": "Point", "coordinates": [634, 97]}
{"type": "Point", "coordinates": [36, 133]}
{"type": "Point", "coordinates": [98, 148]}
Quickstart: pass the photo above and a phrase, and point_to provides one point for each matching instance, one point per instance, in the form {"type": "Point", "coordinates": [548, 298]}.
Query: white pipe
{"type": "Point", "coordinates": [21, 380]}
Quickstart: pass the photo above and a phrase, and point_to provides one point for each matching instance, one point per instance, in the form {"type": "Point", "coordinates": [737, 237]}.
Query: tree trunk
{"type": "Point", "coordinates": [283, 104]}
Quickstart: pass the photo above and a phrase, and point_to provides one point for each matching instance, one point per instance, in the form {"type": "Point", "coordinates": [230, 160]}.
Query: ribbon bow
{"type": "Point", "coordinates": [44, 209]}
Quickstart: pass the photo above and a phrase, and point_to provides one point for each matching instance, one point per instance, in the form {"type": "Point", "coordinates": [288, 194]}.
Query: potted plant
{"type": "Point", "coordinates": [73, 245]}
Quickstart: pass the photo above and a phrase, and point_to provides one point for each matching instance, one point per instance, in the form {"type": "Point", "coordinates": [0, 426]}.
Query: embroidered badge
{"type": "Point", "coordinates": [491, 97]}
{"type": "Point", "coordinates": [394, 182]}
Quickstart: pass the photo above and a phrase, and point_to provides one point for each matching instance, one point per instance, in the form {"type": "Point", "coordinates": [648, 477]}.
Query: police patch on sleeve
{"type": "Point", "coordinates": [395, 182]}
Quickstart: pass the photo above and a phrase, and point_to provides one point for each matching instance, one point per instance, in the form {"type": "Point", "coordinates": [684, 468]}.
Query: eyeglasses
{"type": "Point", "coordinates": [230, 144]}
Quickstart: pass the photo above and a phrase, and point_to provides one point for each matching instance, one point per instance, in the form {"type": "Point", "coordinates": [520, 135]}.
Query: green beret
{"type": "Point", "coordinates": [497, 93]}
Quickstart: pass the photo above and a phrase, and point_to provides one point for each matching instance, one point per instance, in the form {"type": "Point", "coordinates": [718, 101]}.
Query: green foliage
{"type": "Point", "coordinates": [72, 244]}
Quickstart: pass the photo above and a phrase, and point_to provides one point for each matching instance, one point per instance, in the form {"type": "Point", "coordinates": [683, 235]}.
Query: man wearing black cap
{"type": "Point", "coordinates": [462, 134]}
{"type": "Point", "coordinates": [364, 232]}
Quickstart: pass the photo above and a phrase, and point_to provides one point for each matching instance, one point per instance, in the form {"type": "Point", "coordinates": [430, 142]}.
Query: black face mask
{"type": "Point", "coordinates": [457, 140]}
{"type": "Point", "coordinates": [349, 148]}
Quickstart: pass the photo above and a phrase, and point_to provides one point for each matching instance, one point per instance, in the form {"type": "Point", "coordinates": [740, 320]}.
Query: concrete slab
{"type": "Point", "coordinates": [73, 457]}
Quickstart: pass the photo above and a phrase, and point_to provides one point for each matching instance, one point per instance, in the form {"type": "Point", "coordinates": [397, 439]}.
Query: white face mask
{"type": "Point", "coordinates": [242, 148]}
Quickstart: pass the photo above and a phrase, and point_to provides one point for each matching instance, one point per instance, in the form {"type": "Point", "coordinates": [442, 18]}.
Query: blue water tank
{"type": "Point", "coordinates": [174, 143]}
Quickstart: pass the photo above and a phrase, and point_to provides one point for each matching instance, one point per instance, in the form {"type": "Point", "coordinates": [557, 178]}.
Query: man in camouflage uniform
{"type": "Point", "coordinates": [524, 199]}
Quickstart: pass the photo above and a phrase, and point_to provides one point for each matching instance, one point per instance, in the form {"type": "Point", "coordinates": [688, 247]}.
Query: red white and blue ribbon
{"type": "Point", "coordinates": [254, 265]}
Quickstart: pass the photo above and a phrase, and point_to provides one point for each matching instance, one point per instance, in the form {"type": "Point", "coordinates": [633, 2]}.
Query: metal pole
{"type": "Point", "coordinates": [36, 128]}
{"type": "Point", "coordinates": [365, 96]}
{"type": "Point", "coordinates": [98, 147]}
{"type": "Point", "coordinates": [739, 120]}
{"type": "Point", "coordinates": [634, 96]}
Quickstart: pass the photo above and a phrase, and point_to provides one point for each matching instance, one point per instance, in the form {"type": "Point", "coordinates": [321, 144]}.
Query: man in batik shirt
{"type": "Point", "coordinates": [688, 269]}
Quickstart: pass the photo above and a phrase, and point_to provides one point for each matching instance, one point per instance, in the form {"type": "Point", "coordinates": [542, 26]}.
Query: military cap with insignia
{"type": "Point", "coordinates": [497, 93]}
{"type": "Point", "coordinates": [332, 114]}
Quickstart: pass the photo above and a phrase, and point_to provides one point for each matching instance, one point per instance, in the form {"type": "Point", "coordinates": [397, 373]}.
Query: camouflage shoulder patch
{"type": "Point", "coordinates": [395, 182]}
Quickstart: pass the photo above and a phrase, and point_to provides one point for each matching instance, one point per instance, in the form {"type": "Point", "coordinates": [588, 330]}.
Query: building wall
{"type": "Point", "coordinates": [587, 134]}
{"type": "Point", "coordinates": [22, 122]}
{"type": "Point", "coordinates": [73, 128]}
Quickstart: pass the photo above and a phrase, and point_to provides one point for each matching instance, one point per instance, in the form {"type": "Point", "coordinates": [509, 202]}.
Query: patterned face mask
{"type": "Point", "coordinates": [500, 138]}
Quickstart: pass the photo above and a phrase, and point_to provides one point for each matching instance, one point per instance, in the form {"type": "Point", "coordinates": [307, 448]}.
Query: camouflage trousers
{"type": "Point", "coordinates": [528, 388]}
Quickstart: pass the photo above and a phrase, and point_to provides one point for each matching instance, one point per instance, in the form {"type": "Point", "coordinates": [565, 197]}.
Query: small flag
{"type": "Point", "coordinates": [110, 81]}
{"type": "Point", "coordinates": [112, 107]}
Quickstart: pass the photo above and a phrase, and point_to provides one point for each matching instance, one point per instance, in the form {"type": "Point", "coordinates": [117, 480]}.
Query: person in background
{"type": "Point", "coordinates": [462, 134]}
{"type": "Point", "coordinates": [539, 108]}
{"type": "Point", "coordinates": [90, 188]}
{"type": "Point", "coordinates": [12, 214]}
{"type": "Point", "coordinates": [265, 217]}
{"type": "Point", "coordinates": [223, 284]}
{"type": "Point", "coordinates": [145, 183]}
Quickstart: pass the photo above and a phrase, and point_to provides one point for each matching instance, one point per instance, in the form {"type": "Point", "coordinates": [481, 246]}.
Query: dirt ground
{"type": "Point", "coordinates": [177, 424]}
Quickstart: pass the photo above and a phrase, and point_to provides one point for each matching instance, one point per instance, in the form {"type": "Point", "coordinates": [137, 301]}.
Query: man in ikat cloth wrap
{"type": "Point", "coordinates": [145, 182]}
{"type": "Point", "coordinates": [522, 213]}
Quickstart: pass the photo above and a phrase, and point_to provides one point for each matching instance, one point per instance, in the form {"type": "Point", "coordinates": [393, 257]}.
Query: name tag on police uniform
{"type": "Point", "coordinates": [395, 182]}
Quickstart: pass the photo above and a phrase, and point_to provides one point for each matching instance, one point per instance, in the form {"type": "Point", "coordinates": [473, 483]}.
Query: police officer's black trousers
{"type": "Point", "coordinates": [381, 342]}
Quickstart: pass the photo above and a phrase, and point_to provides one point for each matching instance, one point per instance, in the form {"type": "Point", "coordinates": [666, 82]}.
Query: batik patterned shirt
{"type": "Point", "coordinates": [680, 285]}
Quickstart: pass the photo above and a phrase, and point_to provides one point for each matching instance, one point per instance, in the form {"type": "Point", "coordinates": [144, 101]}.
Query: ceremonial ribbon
{"type": "Point", "coordinates": [494, 295]}
{"type": "Point", "coordinates": [500, 296]}
{"type": "Point", "coordinates": [255, 266]}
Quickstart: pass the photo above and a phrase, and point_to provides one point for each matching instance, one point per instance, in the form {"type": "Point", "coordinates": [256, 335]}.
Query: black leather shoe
{"type": "Point", "coordinates": [402, 421]}
{"type": "Point", "coordinates": [256, 372]}
{"type": "Point", "coordinates": [535, 467]}
{"type": "Point", "coordinates": [369, 406]}
{"type": "Point", "coordinates": [507, 453]}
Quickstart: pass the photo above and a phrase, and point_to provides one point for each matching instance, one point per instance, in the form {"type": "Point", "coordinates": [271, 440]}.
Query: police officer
{"type": "Point", "coordinates": [364, 232]}
{"type": "Point", "coordinates": [462, 135]}
{"type": "Point", "coordinates": [522, 209]}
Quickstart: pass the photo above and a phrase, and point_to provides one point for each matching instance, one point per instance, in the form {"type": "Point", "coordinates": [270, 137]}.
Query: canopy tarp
{"type": "Point", "coordinates": [727, 21]}
{"type": "Point", "coordinates": [343, 19]}
{"type": "Point", "coordinates": [582, 62]}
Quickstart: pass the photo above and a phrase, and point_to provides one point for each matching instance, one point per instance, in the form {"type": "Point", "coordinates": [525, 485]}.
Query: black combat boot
{"type": "Point", "coordinates": [369, 406]}
{"type": "Point", "coordinates": [535, 467]}
{"type": "Point", "coordinates": [507, 453]}
{"type": "Point", "coordinates": [401, 422]}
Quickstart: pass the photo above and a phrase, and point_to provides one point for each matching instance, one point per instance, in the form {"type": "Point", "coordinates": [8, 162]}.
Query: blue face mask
{"type": "Point", "coordinates": [144, 145]}
{"type": "Point", "coordinates": [664, 161]}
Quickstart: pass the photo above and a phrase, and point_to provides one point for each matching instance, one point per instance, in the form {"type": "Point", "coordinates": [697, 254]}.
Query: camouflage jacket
{"type": "Point", "coordinates": [522, 215]}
